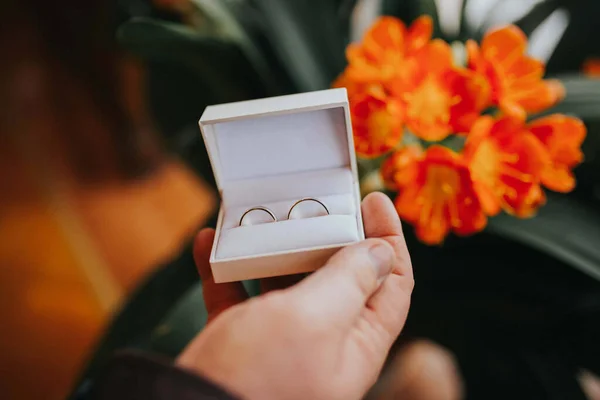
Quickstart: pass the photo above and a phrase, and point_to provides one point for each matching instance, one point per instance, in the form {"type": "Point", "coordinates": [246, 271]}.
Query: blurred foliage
{"type": "Point", "coordinates": [244, 49]}
{"type": "Point", "coordinates": [520, 321]}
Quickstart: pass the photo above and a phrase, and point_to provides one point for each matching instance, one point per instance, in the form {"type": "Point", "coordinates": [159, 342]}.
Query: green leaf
{"type": "Point", "coordinates": [564, 228]}
{"type": "Point", "coordinates": [575, 44]}
{"type": "Point", "coordinates": [538, 14]}
{"type": "Point", "coordinates": [183, 322]}
{"type": "Point", "coordinates": [308, 37]}
{"type": "Point", "coordinates": [496, 8]}
{"type": "Point", "coordinates": [228, 26]}
{"type": "Point", "coordinates": [213, 59]}
{"type": "Point", "coordinates": [582, 97]}
{"type": "Point", "coordinates": [464, 30]}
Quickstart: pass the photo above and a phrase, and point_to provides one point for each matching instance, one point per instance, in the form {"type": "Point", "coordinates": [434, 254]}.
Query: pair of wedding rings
{"type": "Point", "coordinates": [272, 214]}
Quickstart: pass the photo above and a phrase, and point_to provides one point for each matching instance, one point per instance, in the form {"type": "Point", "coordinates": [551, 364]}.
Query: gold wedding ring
{"type": "Point", "coordinates": [307, 199]}
{"type": "Point", "coordinates": [259, 208]}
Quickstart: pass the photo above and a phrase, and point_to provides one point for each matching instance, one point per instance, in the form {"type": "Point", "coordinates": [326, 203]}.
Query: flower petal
{"type": "Point", "coordinates": [471, 95]}
{"type": "Point", "coordinates": [512, 108]}
{"type": "Point", "coordinates": [428, 111]}
{"type": "Point", "coordinates": [562, 137]}
{"type": "Point", "coordinates": [400, 168]}
{"type": "Point", "coordinates": [408, 204]}
{"type": "Point", "coordinates": [441, 198]}
{"type": "Point", "coordinates": [379, 56]}
{"type": "Point", "coordinates": [558, 131]}
{"type": "Point", "coordinates": [558, 178]}
{"type": "Point", "coordinates": [479, 131]}
{"type": "Point", "coordinates": [385, 34]}
{"type": "Point", "coordinates": [489, 201]}
{"type": "Point", "coordinates": [377, 125]}
{"type": "Point", "coordinates": [433, 231]}
{"type": "Point", "coordinates": [524, 70]}
{"type": "Point", "coordinates": [515, 78]}
{"type": "Point", "coordinates": [442, 98]}
{"type": "Point", "coordinates": [437, 57]}
{"type": "Point", "coordinates": [504, 45]}
{"type": "Point", "coordinates": [426, 94]}
{"type": "Point", "coordinates": [532, 201]}
{"type": "Point", "coordinates": [506, 163]}
{"type": "Point", "coordinates": [521, 177]}
{"type": "Point", "coordinates": [360, 69]}
{"type": "Point", "coordinates": [591, 67]}
{"type": "Point", "coordinates": [473, 55]}
{"type": "Point", "coordinates": [539, 96]}
{"type": "Point", "coordinates": [419, 33]}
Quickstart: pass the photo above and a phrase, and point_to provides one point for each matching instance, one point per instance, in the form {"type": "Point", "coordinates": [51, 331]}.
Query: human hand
{"type": "Point", "coordinates": [419, 370]}
{"type": "Point", "coordinates": [326, 337]}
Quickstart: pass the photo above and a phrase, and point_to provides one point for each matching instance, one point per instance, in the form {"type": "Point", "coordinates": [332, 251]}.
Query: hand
{"type": "Point", "coordinates": [420, 370]}
{"type": "Point", "coordinates": [326, 337]}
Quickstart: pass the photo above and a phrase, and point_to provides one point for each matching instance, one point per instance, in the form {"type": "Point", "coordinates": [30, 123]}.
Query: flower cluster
{"type": "Point", "coordinates": [409, 100]}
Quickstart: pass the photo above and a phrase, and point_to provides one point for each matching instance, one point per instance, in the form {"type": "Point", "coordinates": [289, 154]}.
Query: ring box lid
{"type": "Point", "coordinates": [278, 135]}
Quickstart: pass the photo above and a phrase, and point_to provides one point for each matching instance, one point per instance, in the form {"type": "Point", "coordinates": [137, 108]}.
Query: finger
{"type": "Point", "coordinates": [280, 282]}
{"type": "Point", "coordinates": [217, 296]}
{"type": "Point", "coordinates": [389, 306]}
{"type": "Point", "coordinates": [337, 293]}
{"type": "Point", "coordinates": [381, 221]}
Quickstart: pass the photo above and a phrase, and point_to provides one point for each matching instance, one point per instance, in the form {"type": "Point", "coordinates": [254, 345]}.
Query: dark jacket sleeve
{"type": "Point", "coordinates": [136, 376]}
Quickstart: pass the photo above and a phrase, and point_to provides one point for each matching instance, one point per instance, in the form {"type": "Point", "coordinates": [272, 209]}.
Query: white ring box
{"type": "Point", "coordinates": [272, 152]}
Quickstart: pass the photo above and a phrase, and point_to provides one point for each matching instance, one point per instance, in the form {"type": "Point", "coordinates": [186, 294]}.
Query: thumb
{"type": "Point", "coordinates": [340, 289]}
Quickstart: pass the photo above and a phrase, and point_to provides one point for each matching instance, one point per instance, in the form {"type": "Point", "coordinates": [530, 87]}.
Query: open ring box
{"type": "Point", "coordinates": [272, 152]}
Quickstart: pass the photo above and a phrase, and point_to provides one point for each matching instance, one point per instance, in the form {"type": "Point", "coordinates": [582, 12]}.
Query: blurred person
{"type": "Point", "coordinates": [91, 200]}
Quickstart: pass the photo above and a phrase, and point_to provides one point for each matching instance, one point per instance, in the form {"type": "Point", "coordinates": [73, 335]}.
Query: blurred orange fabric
{"type": "Point", "coordinates": [68, 258]}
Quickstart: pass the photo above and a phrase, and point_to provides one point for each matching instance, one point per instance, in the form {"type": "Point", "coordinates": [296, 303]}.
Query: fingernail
{"type": "Point", "coordinates": [382, 257]}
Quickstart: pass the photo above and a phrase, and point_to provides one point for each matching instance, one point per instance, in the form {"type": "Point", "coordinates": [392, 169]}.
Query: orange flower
{"type": "Point", "coordinates": [441, 197]}
{"type": "Point", "coordinates": [516, 79]}
{"type": "Point", "coordinates": [439, 98]}
{"type": "Point", "coordinates": [591, 67]}
{"type": "Point", "coordinates": [357, 90]}
{"type": "Point", "coordinates": [380, 56]}
{"type": "Point", "coordinates": [562, 137]}
{"type": "Point", "coordinates": [506, 163]}
{"type": "Point", "coordinates": [377, 124]}
{"type": "Point", "coordinates": [399, 169]}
